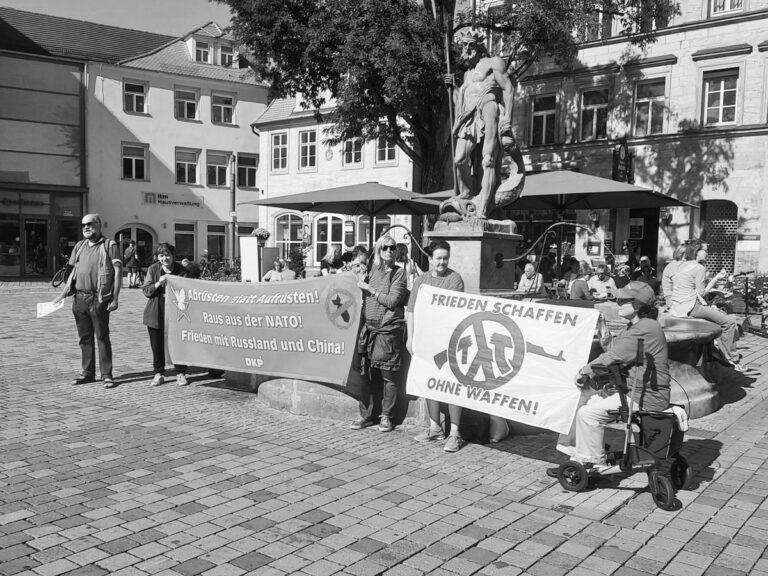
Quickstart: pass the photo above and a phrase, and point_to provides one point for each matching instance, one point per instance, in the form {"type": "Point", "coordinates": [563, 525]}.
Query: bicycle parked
{"type": "Point", "coordinates": [751, 301]}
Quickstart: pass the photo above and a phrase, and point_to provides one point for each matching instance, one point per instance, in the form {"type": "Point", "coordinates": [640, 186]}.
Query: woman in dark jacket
{"type": "Point", "coordinates": [381, 339]}
{"type": "Point", "coordinates": [154, 311]}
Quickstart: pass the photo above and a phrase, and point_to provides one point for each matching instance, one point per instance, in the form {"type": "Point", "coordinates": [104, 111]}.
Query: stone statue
{"type": "Point", "coordinates": [489, 166]}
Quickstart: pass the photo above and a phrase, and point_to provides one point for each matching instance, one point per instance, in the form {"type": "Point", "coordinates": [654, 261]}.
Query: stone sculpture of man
{"type": "Point", "coordinates": [483, 118]}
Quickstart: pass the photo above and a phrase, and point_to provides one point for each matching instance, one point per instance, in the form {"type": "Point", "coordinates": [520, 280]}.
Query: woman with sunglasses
{"type": "Point", "coordinates": [381, 337]}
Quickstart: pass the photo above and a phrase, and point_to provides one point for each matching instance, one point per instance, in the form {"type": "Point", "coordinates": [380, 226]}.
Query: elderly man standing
{"type": "Point", "coordinates": [95, 283]}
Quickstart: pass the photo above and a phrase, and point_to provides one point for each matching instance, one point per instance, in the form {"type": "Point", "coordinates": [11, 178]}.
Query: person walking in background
{"type": "Point", "coordinates": [331, 262]}
{"type": "Point", "coordinates": [95, 281]}
{"type": "Point", "coordinates": [440, 276]}
{"type": "Point", "coordinates": [154, 311]}
{"type": "Point", "coordinates": [381, 337]}
{"type": "Point", "coordinates": [131, 263]}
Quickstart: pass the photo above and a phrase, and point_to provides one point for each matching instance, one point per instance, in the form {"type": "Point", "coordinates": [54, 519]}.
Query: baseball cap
{"type": "Point", "coordinates": [637, 291]}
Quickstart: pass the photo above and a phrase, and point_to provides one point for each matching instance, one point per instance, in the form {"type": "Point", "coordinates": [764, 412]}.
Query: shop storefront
{"type": "Point", "coordinates": [37, 231]}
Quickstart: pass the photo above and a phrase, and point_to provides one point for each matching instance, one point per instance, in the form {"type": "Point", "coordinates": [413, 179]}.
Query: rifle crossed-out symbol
{"type": "Point", "coordinates": [492, 355]}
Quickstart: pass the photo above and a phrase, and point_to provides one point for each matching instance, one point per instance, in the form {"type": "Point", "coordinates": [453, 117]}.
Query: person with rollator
{"type": "Point", "coordinates": [636, 305]}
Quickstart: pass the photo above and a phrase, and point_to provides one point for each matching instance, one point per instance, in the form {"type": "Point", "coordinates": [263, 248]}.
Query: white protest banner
{"type": "Point", "coordinates": [509, 358]}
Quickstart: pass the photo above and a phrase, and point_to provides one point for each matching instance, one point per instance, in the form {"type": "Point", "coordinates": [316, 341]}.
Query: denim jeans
{"type": "Point", "coordinates": [720, 318]}
{"type": "Point", "coordinates": [92, 317]}
{"type": "Point", "coordinates": [378, 393]}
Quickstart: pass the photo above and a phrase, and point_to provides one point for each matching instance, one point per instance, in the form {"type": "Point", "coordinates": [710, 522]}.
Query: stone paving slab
{"type": "Point", "coordinates": [205, 480]}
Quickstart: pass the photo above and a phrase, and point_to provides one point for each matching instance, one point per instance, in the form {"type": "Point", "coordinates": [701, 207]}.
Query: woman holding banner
{"type": "Point", "coordinates": [440, 276]}
{"type": "Point", "coordinates": [381, 338]}
{"type": "Point", "coordinates": [154, 311]}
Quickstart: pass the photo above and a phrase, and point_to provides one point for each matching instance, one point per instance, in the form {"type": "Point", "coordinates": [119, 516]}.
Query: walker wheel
{"type": "Point", "coordinates": [662, 491]}
{"type": "Point", "coordinates": [680, 474]}
{"type": "Point", "coordinates": [573, 476]}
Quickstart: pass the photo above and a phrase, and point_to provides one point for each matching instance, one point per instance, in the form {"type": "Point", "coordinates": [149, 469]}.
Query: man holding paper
{"type": "Point", "coordinates": [95, 283]}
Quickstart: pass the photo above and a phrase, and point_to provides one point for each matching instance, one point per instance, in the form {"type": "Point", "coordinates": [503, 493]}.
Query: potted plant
{"type": "Point", "coordinates": [262, 234]}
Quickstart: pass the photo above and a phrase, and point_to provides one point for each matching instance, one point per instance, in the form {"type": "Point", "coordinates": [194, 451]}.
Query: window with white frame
{"type": "Point", "coordinates": [385, 150]}
{"type": "Point", "coordinates": [135, 161]}
{"type": "Point", "coordinates": [649, 107]}
{"type": "Point", "coordinates": [184, 240]}
{"type": "Point", "coordinates": [329, 233]}
{"type": "Point", "coordinates": [289, 230]}
{"type": "Point", "coordinates": [720, 88]}
{"type": "Point", "coordinates": [218, 166]}
{"type": "Point", "coordinates": [215, 241]}
{"type": "Point", "coordinates": [186, 104]}
{"type": "Point", "coordinates": [543, 112]}
{"type": "Point", "coordinates": [307, 149]}
{"type": "Point", "coordinates": [135, 97]}
{"type": "Point", "coordinates": [202, 51]}
{"type": "Point", "coordinates": [280, 151]}
{"type": "Point", "coordinates": [222, 109]}
{"type": "Point", "coordinates": [594, 114]}
{"type": "Point", "coordinates": [380, 223]}
{"type": "Point", "coordinates": [227, 56]}
{"type": "Point", "coordinates": [725, 6]}
{"type": "Point", "coordinates": [247, 164]}
{"type": "Point", "coordinates": [186, 166]}
{"type": "Point", "coordinates": [353, 152]}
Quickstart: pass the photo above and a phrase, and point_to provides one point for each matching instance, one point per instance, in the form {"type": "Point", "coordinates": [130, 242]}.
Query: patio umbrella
{"type": "Point", "coordinates": [566, 190]}
{"type": "Point", "coordinates": [562, 190]}
{"type": "Point", "coordinates": [368, 199]}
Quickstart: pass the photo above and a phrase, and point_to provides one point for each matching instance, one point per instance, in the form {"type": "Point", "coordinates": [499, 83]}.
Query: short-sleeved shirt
{"type": "Point", "coordinates": [452, 280]}
{"type": "Point", "coordinates": [87, 278]}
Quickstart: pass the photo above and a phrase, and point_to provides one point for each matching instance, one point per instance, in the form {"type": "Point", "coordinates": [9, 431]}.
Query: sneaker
{"type": "Point", "coordinates": [737, 367]}
{"type": "Point", "coordinates": [181, 379]}
{"type": "Point", "coordinates": [109, 383]}
{"type": "Point", "coordinates": [430, 434]}
{"type": "Point", "coordinates": [454, 443]}
{"type": "Point", "coordinates": [158, 380]}
{"type": "Point", "coordinates": [360, 423]}
{"type": "Point", "coordinates": [385, 424]}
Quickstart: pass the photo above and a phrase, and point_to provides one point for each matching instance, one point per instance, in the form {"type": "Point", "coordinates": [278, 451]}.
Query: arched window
{"type": "Point", "coordinates": [288, 232]}
{"type": "Point", "coordinates": [329, 231]}
{"type": "Point", "coordinates": [380, 224]}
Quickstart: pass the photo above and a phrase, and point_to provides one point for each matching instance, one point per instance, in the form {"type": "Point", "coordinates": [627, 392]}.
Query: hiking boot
{"type": "Point", "coordinates": [385, 424]}
{"type": "Point", "coordinates": [454, 443]}
{"type": "Point", "coordinates": [158, 380]}
{"type": "Point", "coordinates": [430, 434]}
{"type": "Point", "coordinates": [361, 423]}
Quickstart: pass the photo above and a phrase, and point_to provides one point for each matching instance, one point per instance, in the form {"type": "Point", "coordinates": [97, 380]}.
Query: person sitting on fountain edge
{"type": "Point", "coordinates": [652, 391]}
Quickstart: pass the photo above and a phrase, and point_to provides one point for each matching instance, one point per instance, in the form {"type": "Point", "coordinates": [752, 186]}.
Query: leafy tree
{"type": "Point", "coordinates": [383, 61]}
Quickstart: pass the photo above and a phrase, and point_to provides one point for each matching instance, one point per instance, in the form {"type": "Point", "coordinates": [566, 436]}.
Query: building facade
{"type": "Point", "coordinates": [297, 159]}
{"type": "Point", "coordinates": [692, 108]}
{"type": "Point", "coordinates": [150, 131]}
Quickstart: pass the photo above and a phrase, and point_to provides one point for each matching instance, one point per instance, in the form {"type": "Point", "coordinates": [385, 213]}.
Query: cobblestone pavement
{"type": "Point", "coordinates": [205, 480]}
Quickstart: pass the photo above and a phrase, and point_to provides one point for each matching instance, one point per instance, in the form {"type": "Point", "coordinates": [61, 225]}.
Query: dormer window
{"type": "Point", "coordinates": [201, 51]}
{"type": "Point", "coordinates": [227, 56]}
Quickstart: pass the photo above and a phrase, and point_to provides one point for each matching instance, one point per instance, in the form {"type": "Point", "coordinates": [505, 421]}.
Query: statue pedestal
{"type": "Point", "coordinates": [475, 249]}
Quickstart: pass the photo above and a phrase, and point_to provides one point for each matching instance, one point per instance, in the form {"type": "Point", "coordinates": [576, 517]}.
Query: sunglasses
{"type": "Point", "coordinates": [388, 247]}
{"type": "Point", "coordinates": [87, 224]}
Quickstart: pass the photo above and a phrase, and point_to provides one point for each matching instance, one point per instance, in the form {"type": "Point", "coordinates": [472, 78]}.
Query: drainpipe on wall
{"type": "Point", "coordinates": [233, 209]}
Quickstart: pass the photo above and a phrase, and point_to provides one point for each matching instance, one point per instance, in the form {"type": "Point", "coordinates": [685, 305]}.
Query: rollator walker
{"type": "Point", "coordinates": [655, 448]}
